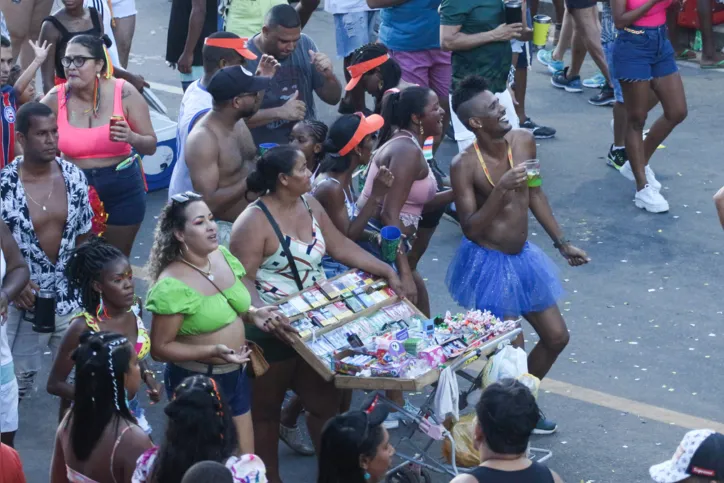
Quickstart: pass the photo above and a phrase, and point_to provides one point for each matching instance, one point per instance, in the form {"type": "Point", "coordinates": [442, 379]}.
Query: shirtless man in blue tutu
{"type": "Point", "coordinates": [496, 268]}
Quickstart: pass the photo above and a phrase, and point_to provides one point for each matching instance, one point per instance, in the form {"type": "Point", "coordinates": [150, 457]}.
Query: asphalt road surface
{"type": "Point", "coordinates": [645, 316]}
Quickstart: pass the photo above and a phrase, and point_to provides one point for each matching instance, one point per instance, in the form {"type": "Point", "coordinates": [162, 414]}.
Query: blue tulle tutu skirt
{"type": "Point", "coordinates": [506, 285]}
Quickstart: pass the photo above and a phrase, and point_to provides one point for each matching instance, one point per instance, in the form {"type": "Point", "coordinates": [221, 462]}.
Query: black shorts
{"type": "Point", "coordinates": [579, 4]}
{"type": "Point", "coordinates": [432, 218]}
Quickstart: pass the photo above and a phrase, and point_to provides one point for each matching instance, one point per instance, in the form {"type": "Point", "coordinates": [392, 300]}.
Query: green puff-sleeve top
{"type": "Point", "coordinates": [202, 313]}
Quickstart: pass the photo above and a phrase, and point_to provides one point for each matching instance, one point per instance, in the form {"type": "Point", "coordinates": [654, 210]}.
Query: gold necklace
{"type": "Point", "coordinates": [206, 273]}
{"type": "Point", "coordinates": [27, 193]}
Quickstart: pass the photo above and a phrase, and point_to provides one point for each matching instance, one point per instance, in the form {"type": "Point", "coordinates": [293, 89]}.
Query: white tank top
{"type": "Point", "coordinates": [195, 103]}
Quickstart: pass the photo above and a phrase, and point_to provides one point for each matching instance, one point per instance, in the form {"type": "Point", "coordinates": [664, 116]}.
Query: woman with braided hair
{"type": "Point", "coordinates": [99, 440]}
{"type": "Point", "coordinates": [308, 136]}
{"type": "Point", "coordinates": [199, 428]}
{"type": "Point", "coordinates": [105, 280]}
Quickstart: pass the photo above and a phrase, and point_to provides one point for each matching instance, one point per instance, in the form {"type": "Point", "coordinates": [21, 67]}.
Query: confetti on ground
{"type": "Point", "coordinates": [625, 447]}
{"type": "Point", "coordinates": [712, 335]}
{"type": "Point", "coordinates": [693, 394]}
{"type": "Point", "coordinates": [624, 261]}
{"type": "Point", "coordinates": [564, 442]}
{"type": "Point", "coordinates": [652, 290]}
{"type": "Point", "coordinates": [691, 348]}
{"type": "Point", "coordinates": [633, 343]}
{"type": "Point", "coordinates": [671, 389]}
{"type": "Point", "coordinates": [434, 259]}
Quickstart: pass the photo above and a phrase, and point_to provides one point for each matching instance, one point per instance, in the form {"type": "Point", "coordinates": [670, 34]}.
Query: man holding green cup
{"type": "Point", "coordinates": [496, 182]}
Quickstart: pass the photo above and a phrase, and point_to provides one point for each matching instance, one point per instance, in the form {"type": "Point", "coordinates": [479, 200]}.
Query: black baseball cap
{"type": "Point", "coordinates": [230, 82]}
{"type": "Point", "coordinates": [349, 431]}
{"type": "Point", "coordinates": [700, 453]}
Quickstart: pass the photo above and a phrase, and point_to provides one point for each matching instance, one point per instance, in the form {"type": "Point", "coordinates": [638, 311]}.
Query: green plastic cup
{"type": "Point", "coordinates": [391, 237]}
{"type": "Point", "coordinates": [532, 171]}
{"type": "Point", "coordinates": [264, 147]}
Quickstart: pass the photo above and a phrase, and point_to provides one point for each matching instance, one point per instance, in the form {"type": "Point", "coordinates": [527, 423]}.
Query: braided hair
{"type": "Point", "coordinates": [199, 428]}
{"type": "Point", "coordinates": [390, 71]}
{"type": "Point", "coordinates": [102, 359]}
{"type": "Point", "coordinates": [85, 265]}
{"type": "Point", "coordinates": [319, 132]}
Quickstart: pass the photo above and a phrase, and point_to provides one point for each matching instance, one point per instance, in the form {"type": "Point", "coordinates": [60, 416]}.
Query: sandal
{"type": "Point", "coordinates": [686, 54]}
{"type": "Point", "coordinates": [715, 65]}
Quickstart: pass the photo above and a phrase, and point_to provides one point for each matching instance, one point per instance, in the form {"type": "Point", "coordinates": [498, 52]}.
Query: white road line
{"type": "Point", "coordinates": [157, 86]}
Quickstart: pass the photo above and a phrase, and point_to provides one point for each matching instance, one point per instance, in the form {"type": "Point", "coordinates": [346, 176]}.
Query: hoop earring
{"type": "Point", "coordinates": [381, 85]}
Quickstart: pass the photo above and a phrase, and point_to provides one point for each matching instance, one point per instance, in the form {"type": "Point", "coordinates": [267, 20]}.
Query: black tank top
{"type": "Point", "coordinates": [65, 37]}
{"type": "Point", "coordinates": [535, 473]}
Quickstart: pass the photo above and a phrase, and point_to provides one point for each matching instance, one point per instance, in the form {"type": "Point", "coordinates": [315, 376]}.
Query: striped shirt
{"type": "Point", "coordinates": [8, 106]}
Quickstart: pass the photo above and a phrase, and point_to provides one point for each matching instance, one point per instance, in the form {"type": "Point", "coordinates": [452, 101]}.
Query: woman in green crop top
{"type": "Point", "coordinates": [200, 306]}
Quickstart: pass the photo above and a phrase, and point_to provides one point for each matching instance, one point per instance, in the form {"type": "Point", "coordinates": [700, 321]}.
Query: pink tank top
{"type": "Point", "coordinates": [655, 17]}
{"type": "Point", "coordinates": [90, 142]}
{"type": "Point", "coordinates": [421, 191]}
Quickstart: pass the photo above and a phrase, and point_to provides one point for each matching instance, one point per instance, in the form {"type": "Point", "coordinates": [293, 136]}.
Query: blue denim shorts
{"type": "Point", "coordinates": [608, 51]}
{"type": "Point", "coordinates": [235, 386]}
{"type": "Point", "coordinates": [353, 30]}
{"type": "Point", "coordinates": [332, 267]}
{"type": "Point", "coordinates": [123, 193]}
{"type": "Point", "coordinates": [643, 53]}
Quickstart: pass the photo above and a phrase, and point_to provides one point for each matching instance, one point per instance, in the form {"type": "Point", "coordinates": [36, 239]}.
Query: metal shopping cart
{"type": "Point", "coordinates": [417, 463]}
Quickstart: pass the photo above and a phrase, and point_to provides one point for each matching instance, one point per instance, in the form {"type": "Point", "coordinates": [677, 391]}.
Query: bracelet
{"type": "Point", "coordinates": [561, 242]}
{"type": "Point", "coordinates": [146, 373]}
{"type": "Point", "coordinates": [249, 315]}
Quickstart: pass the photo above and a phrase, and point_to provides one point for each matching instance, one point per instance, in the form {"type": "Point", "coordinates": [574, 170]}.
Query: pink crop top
{"type": "Point", "coordinates": [421, 191]}
{"type": "Point", "coordinates": [655, 17]}
{"type": "Point", "coordinates": [90, 142]}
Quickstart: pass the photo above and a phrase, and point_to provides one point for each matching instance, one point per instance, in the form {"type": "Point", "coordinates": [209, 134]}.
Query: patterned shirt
{"type": "Point", "coordinates": [608, 29]}
{"type": "Point", "coordinates": [16, 215]}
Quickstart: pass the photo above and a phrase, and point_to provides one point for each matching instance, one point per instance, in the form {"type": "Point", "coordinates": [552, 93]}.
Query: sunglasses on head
{"type": "Point", "coordinates": [78, 61]}
{"type": "Point", "coordinates": [185, 197]}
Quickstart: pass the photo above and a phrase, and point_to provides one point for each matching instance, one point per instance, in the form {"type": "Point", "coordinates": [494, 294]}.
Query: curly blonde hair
{"type": "Point", "coordinates": [166, 247]}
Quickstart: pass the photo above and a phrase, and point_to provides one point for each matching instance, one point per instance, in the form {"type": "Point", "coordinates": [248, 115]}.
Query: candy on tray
{"type": "Point", "coordinates": [299, 304]}
{"type": "Point", "coordinates": [434, 356]}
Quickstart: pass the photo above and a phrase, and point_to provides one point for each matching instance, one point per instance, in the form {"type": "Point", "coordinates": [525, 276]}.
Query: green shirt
{"type": "Point", "coordinates": [202, 313]}
{"type": "Point", "coordinates": [491, 61]}
{"type": "Point", "coordinates": [246, 17]}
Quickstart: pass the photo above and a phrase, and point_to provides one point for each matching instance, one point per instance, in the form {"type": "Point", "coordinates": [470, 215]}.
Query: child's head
{"type": "Point", "coordinates": [29, 94]}
{"type": "Point", "coordinates": [308, 136]}
{"type": "Point", "coordinates": [6, 59]}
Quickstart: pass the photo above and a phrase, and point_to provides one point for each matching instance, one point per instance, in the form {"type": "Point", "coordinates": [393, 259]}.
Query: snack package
{"type": "Point", "coordinates": [392, 369]}
{"type": "Point", "coordinates": [414, 345]}
{"type": "Point", "coordinates": [434, 356]}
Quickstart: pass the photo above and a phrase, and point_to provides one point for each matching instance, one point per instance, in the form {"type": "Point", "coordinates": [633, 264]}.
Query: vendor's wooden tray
{"type": "Point", "coordinates": [365, 383]}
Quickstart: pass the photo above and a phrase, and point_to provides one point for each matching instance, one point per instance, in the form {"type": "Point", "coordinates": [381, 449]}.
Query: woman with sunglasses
{"type": "Point", "coordinates": [286, 212]}
{"type": "Point", "coordinates": [356, 446]}
{"type": "Point", "coordinates": [200, 307]}
{"type": "Point", "coordinates": [75, 18]}
{"type": "Point", "coordinates": [103, 126]}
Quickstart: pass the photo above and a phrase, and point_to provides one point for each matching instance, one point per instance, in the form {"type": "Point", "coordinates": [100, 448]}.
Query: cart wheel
{"type": "Point", "coordinates": [405, 475]}
{"type": "Point", "coordinates": [425, 476]}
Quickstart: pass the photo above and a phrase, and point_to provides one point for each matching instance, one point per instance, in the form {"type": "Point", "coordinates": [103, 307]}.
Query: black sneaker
{"type": "Point", "coordinates": [560, 80]}
{"type": "Point", "coordinates": [539, 132]}
{"type": "Point", "coordinates": [617, 157]}
{"type": "Point", "coordinates": [604, 98]}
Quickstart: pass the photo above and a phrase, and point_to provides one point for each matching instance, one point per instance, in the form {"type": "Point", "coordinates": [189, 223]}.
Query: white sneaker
{"type": "Point", "coordinates": [650, 176]}
{"type": "Point", "coordinates": [651, 200]}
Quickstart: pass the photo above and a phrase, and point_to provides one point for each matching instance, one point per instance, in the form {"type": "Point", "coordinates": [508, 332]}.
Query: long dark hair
{"type": "Point", "coordinates": [343, 444]}
{"type": "Point", "coordinates": [276, 161]}
{"type": "Point", "coordinates": [101, 361]}
{"type": "Point", "coordinates": [398, 108]}
{"type": "Point", "coordinates": [199, 428]}
{"type": "Point", "coordinates": [85, 265]}
{"type": "Point", "coordinates": [390, 71]}
{"type": "Point", "coordinates": [166, 247]}
{"type": "Point", "coordinates": [340, 133]}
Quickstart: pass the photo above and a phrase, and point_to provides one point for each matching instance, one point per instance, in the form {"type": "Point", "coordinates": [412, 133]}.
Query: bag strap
{"type": "Point", "coordinates": [283, 242]}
